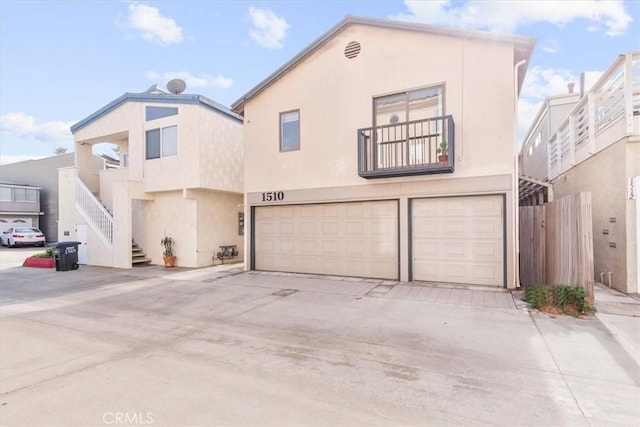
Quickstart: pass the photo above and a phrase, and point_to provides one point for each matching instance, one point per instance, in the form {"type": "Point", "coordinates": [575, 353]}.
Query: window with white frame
{"type": "Point", "coordinates": [290, 130]}
{"type": "Point", "coordinates": [5, 194]}
{"type": "Point", "coordinates": [25, 195]}
{"type": "Point", "coordinates": [162, 142]}
{"type": "Point", "coordinates": [538, 138]}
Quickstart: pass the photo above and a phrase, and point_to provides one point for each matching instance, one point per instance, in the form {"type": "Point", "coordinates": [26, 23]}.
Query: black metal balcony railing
{"type": "Point", "coordinates": [409, 148]}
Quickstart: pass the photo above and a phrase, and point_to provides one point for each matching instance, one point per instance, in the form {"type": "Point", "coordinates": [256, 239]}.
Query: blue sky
{"type": "Point", "coordinates": [62, 60]}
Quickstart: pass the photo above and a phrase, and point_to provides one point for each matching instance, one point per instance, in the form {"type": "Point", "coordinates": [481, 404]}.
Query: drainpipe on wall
{"type": "Point", "coordinates": [516, 174]}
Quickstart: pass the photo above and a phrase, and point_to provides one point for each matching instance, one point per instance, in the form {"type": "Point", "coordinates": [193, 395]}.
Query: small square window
{"type": "Point", "coordinates": [5, 194]}
{"type": "Point", "coordinates": [162, 142]}
{"type": "Point", "coordinates": [290, 131]}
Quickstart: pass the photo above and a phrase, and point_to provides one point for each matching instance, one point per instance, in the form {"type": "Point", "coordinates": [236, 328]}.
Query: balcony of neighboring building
{"type": "Point", "coordinates": [609, 112]}
{"type": "Point", "coordinates": [19, 199]}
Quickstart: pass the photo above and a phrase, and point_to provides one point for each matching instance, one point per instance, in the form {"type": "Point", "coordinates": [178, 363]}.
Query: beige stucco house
{"type": "Point", "coordinates": [596, 148]}
{"type": "Point", "coordinates": [180, 175]}
{"type": "Point", "coordinates": [342, 170]}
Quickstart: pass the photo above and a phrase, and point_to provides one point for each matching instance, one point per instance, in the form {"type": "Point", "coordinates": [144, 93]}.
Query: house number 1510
{"type": "Point", "coordinates": [273, 196]}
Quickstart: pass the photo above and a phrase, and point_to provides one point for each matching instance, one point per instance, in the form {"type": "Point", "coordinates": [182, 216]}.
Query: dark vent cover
{"type": "Point", "coordinates": [352, 50]}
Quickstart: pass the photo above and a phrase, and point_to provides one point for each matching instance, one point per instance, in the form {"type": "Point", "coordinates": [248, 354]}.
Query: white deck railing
{"type": "Point", "coordinates": [610, 111]}
{"type": "Point", "coordinates": [94, 213]}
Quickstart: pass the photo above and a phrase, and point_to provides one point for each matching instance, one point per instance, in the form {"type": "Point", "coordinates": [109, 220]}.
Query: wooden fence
{"type": "Point", "coordinates": [556, 243]}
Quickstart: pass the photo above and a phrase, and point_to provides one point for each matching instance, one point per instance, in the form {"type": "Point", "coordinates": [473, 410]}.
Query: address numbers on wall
{"type": "Point", "coordinates": [273, 196]}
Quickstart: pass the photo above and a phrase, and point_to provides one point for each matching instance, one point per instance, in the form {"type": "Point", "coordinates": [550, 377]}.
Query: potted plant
{"type": "Point", "coordinates": [167, 255]}
{"type": "Point", "coordinates": [443, 153]}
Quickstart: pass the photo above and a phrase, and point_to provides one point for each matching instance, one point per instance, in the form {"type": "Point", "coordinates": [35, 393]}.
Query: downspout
{"type": "Point", "coordinates": [516, 174]}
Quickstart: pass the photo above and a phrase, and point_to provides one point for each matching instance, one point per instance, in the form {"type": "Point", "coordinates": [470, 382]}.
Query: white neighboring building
{"type": "Point", "coordinates": [181, 175]}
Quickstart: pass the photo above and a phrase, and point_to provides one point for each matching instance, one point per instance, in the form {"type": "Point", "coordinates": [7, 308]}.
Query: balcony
{"type": "Point", "coordinates": [608, 112]}
{"type": "Point", "coordinates": [418, 147]}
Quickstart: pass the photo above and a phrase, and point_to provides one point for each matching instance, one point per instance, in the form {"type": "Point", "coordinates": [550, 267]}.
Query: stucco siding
{"type": "Point", "coordinates": [217, 224]}
{"type": "Point", "coordinates": [606, 176]}
{"type": "Point", "coordinates": [334, 95]}
{"type": "Point", "coordinates": [172, 215]}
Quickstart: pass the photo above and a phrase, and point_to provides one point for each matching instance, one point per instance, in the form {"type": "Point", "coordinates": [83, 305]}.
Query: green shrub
{"type": "Point", "coordinates": [568, 299]}
{"type": "Point", "coordinates": [48, 253]}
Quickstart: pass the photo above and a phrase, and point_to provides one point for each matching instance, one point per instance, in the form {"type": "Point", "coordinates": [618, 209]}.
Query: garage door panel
{"type": "Point", "coordinates": [351, 239]}
{"type": "Point", "coordinates": [455, 228]}
{"type": "Point", "coordinates": [458, 240]}
{"type": "Point", "coordinates": [488, 228]}
{"type": "Point", "coordinates": [489, 251]}
{"type": "Point", "coordinates": [483, 273]}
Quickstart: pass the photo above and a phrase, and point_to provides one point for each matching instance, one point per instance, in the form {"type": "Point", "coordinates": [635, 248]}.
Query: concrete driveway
{"type": "Point", "coordinates": [151, 346]}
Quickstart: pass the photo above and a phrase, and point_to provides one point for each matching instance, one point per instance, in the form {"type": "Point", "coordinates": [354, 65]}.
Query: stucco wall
{"type": "Point", "coordinates": [217, 224]}
{"type": "Point", "coordinates": [199, 221]}
{"type": "Point", "coordinates": [209, 147]}
{"type": "Point", "coordinates": [605, 175]}
{"type": "Point", "coordinates": [172, 215]}
{"type": "Point", "coordinates": [334, 95]}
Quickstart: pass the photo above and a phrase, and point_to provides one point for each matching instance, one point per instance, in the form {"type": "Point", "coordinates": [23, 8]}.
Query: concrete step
{"type": "Point", "coordinates": [138, 256]}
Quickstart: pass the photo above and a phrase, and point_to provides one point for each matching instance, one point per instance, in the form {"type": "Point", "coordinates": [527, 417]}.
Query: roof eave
{"type": "Point", "coordinates": [155, 98]}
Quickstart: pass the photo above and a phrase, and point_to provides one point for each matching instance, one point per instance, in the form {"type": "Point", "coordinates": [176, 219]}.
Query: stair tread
{"type": "Point", "coordinates": [140, 260]}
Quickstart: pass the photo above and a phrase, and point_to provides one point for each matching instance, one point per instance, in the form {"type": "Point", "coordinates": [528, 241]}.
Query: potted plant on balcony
{"type": "Point", "coordinates": [443, 153]}
{"type": "Point", "coordinates": [167, 255]}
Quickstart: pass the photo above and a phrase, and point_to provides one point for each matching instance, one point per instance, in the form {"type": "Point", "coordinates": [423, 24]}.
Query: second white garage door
{"type": "Point", "coordinates": [458, 240]}
{"type": "Point", "coordinates": [346, 239]}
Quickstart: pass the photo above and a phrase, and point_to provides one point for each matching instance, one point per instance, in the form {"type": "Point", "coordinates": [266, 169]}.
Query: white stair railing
{"type": "Point", "coordinates": [94, 213]}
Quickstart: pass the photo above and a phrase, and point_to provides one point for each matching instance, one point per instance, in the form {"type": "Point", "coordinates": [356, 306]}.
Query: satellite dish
{"type": "Point", "coordinates": [176, 86]}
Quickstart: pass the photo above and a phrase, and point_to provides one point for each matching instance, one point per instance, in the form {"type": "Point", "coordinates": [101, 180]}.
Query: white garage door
{"type": "Point", "coordinates": [345, 239]}
{"type": "Point", "coordinates": [458, 240]}
{"type": "Point", "coordinates": [9, 222]}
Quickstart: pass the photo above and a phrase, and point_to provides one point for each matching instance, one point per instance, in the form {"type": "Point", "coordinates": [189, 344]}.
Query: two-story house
{"type": "Point", "coordinates": [180, 176]}
{"type": "Point", "coordinates": [596, 148]}
{"type": "Point", "coordinates": [19, 205]}
{"type": "Point", "coordinates": [387, 150]}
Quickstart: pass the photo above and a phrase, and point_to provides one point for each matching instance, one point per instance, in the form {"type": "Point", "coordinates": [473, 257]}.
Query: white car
{"type": "Point", "coordinates": [22, 236]}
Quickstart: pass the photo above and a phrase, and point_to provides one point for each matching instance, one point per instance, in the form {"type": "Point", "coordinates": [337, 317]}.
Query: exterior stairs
{"type": "Point", "coordinates": [138, 256]}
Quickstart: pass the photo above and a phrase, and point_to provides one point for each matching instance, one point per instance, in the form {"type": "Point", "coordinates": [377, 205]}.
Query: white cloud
{"type": "Point", "coordinates": [23, 125]}
{"type": "Point", "coordinates": [191, 80]}
{"type": "Point", "coordinates": [506, 16]}
{"type": "Point", "coordinates": [543, 82]}
{"type": "Point", "coordinates": [551, 46]}
{"type": "Point", "coordinates": [269, 30]}
{"type": "Point", "coordinates": [6, 159]}
{"type": "Point", "coordinates": [152, 26]}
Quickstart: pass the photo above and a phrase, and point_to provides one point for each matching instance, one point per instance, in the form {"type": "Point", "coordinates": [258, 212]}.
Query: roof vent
{"type": "Point", "coordinates": [352, 50]}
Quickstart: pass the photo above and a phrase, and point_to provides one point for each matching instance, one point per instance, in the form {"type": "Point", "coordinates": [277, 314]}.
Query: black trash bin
{"type": "Point", "coordinates": [66, 255]}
